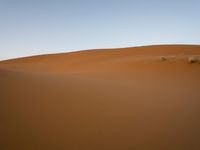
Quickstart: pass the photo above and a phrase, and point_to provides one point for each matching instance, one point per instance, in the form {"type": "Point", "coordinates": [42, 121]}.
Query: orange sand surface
{"type": "Point", "coordinates": [110, 99]}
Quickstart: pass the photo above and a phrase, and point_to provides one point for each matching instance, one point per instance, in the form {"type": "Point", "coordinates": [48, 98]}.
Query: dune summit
{"type": "Point", "coordinates": [142, 98]}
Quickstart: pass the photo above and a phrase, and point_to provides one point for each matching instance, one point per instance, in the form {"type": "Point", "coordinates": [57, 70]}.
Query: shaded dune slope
{"type": "Point", "coordinates": [111, 99]}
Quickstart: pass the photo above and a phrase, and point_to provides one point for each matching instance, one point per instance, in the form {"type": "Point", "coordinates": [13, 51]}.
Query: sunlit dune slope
{"type": "Point", "coordinates": [110, 99]}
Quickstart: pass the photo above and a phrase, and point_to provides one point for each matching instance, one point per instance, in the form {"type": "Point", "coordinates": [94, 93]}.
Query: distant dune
{"type": "Point", "coordinates": [142, 98]}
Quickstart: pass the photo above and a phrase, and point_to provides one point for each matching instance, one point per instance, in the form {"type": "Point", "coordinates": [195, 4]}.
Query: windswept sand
{"type": "Point", "coordinates": [114, 99]}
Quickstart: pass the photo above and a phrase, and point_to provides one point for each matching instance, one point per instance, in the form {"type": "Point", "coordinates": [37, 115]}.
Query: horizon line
{"type": "Point", "coordinates": [89, 49]}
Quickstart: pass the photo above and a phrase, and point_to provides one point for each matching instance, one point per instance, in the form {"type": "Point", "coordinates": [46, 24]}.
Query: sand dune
{"type": "Point", "coordinates": [111, 99]}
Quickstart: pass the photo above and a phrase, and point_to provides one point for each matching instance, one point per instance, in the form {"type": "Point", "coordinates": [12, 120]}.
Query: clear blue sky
{"type": "Point", "coordinates": [30, 27]}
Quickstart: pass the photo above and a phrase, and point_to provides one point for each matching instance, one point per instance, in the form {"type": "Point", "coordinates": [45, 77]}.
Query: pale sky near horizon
{"type": "Point", "coordinates": [32, 27]}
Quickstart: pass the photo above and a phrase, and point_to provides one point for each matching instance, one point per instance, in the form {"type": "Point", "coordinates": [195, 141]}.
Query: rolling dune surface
{"type": "Point", "coordinates": [109, 99]}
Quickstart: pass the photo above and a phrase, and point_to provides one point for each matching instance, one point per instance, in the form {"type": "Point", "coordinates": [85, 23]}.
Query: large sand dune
{"type": "Point", "coordinates": [114, 99]}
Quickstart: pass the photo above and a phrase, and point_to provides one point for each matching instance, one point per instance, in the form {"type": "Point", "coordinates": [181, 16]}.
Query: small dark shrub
{"type": "Point", "coordinates": [193, 59]}
{"type": "Point", "coordinates": [163, 58]}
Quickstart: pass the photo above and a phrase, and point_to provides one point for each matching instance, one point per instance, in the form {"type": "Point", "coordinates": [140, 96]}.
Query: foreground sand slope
{"type": "Point", "coordinates": [114, 99]}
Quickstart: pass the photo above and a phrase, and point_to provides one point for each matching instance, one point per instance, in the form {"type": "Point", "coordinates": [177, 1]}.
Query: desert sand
{"type": "Point", "coordinates": [109, 99]}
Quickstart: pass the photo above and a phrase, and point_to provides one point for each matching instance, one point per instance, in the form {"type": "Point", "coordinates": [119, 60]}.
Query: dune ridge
{"type": "Point", "coordinates": [109, 99]}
